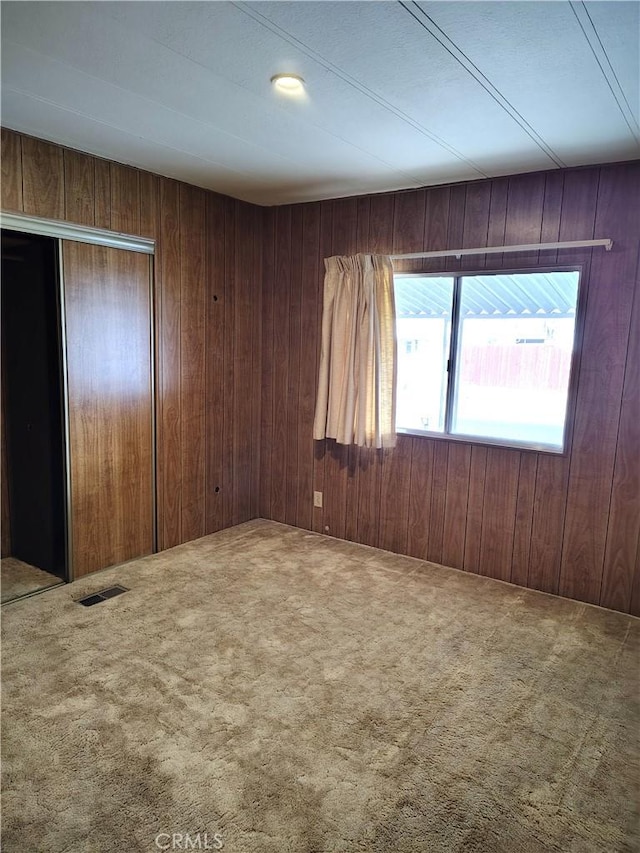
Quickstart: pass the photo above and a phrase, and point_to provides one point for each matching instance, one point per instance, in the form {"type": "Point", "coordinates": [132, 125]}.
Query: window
{"type": "Point", "coordinates": [486, 357]}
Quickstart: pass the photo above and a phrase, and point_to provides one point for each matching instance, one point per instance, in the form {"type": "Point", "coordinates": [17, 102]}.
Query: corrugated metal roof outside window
{"type": "Point", "coordinates": [516, 295]}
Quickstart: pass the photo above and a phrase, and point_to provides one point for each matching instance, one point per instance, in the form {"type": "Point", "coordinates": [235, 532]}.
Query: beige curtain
{"type": "Point", "coordinates": [356, 389]}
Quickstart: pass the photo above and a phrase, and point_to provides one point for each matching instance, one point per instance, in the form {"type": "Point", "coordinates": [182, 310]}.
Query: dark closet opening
{"type": "Point", "coordinates": [32, 403]}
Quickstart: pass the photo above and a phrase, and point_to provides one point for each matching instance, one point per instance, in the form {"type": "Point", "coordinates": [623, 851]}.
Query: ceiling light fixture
{"type": "Point", "coordinates": [290, 84]}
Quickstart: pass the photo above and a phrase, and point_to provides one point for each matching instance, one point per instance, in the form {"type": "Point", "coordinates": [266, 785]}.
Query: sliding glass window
{"type": "Point", "coordinates": [486, 357]}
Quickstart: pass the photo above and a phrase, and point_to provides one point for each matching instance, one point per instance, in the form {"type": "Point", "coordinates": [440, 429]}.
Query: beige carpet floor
{"type": "Point", "coordinates": [18, 578]}
{"type": "Point", "coordinates": [284, 691]}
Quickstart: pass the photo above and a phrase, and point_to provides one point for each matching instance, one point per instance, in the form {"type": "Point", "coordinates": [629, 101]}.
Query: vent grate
{"type": "Point", "coordinates": [102, 595]}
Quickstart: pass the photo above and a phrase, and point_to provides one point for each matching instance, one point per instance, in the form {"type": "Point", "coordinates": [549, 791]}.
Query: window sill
{"type": "Point", "coordinates": [487, 442]}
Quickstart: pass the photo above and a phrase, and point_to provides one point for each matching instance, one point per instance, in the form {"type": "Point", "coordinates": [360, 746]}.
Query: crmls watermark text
{"type": "Point", "coordinates": [189, 841]}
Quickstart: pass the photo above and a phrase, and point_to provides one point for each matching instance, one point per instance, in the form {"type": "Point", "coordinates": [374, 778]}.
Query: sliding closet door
{"type": "Point", "coordinates": [110, 402]}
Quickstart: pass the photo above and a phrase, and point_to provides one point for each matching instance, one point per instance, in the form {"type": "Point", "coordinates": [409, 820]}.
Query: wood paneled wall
{"type": "Point", "coordinates": [238, 312]}
{"type": "Point", "coordinates": [108, 324]}
{"type": "Point", "coordinates": [563, 524]}
{"type": "Point", "coordinates": [207, 308]}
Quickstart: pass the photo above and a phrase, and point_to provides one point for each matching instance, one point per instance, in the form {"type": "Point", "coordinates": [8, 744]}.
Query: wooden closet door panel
{"type": "Point", "coordinates": [109, 368]}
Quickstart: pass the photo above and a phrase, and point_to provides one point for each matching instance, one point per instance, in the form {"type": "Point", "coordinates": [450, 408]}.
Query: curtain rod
{"type": "Point", "coordinates": [488, 250]}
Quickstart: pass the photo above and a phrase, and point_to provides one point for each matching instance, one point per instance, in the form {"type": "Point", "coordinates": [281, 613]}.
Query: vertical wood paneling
{"type": "Point", "coordinates": [229, 425]}
{"type": "Point", "coordinates": [394, 497]}
{"type": "Point", "coordinates": [293, 497]}
{"type": "Point", "coordinates": [254, 290]}
{"type": "Point", "coordinates": [192, 360]}
{"type": "Point", "coordinates": [409, 220]}
{"type": "Point", "coordinates": [149, 205]}
{"type": "Point", "coordinates": [635, 589]}
{"type": "Point", "coordinates": [102, 183]}
{"type": "Point", "coordinates": [436, 222]}
{"type": "Point", "coordinates": [11, 185]}
{"type": "Point", "coordinates": [498, 518]}
{"type": "Point", "coordinates": [208, 353]}
{"type": "Point", "coordinates": [568, 218]}
{"type": "Point", "coordinates": [42, 179]}
{"type": "Point", "coordinates": [408, 227]}
{"type": "Point", "coordinates": [523, 223]}
{"type": "Point", "coordinates": [79, 188]}
{"type": "Point", "coordinates": [551, 210]}
{"type": "Point", "coordinates": [455, 226]}
{"type": "Point", "coordinates": [623, 531]}
{"type": "Point", "coordinates": [320, 447]}
{"type": "Point", "coordinates": [505, 513]}
{"type": "Point", "coordinates": [214, 368]}
{"type": "Point", "coordinates": [438, 499]}
{"type": "Point", "coordinates": [243, 357]}
{"type": "Point", "coordinates": [524, 518]}
{"type": "Point", "coordinates": [475, 509]}
{"type": "Point", "coordinates": [336, 462]}
{"type": "Point", "coordinates": [579, 204]}
{"type": "Point", "coordinates": [606, 333]}
{"type": "Point", "coordinates": [108, 334]}
{"type": "Point", "coordinates": [497, 218]}
{"type": "Point", "coordinates": [476, 223]}
{"type": "Point", "coordinates": [351, 496]}
{"type": "Point", "coordinates": [149, 227]}
{"type": "Point", "coordinates": [309, 331]}
{"type": "Point", "coordinates": [280, 356]}
{"type": "Point", "coordinates": [125, 199]}
{"type": "Point", "coordinates": [381, 216]}
{"type": "Point", "coordinates": [551, 215]}
{"type": "Point", "coordinates": [267, 392]}
{"type": "Point", "coordinates": [419, 512]}
{"type": "Point", "coordinates": [169, 409]}
{"type": "Point", "coordinates": [369, 480]}
{"type": "Point", "coordinates": [455, 510]}
{"type": "Point", "coordinates": [579, 508]}
{"type": "Point", "coordinates": [547, 526]}
{"type": "Point", "coordinates": [436, 218]}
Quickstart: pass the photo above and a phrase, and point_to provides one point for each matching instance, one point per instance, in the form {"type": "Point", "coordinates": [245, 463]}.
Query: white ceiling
{"type": "Point", "coordinates": [399, 94]}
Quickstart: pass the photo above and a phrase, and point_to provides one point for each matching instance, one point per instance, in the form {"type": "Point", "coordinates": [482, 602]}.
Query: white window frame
{"type": "Point", "coordinates": [446, 434]}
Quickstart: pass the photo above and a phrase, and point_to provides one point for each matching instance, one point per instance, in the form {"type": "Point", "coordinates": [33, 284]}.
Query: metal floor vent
{"type": "Point", "coordinates": [97, 597]}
